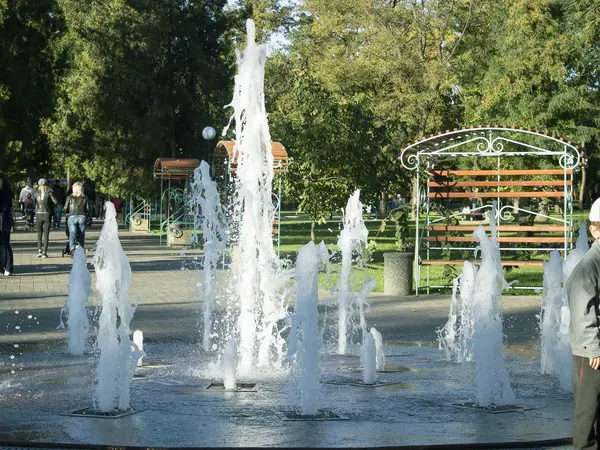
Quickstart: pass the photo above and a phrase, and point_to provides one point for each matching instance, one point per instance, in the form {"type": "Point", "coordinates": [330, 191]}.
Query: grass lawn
{"type": "Point", "coordinates": [295, 232]}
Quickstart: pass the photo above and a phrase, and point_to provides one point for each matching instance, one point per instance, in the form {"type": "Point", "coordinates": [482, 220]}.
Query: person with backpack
{"type": "Point", "coordinates": [44, 209]}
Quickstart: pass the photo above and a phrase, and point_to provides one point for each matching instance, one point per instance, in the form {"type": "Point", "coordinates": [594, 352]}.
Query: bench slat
{"type": "Point", "coordinates": [517, 228]}
{"type": "Point", "coordinates": [451, 184]}
{"type": "Point", "coordinates": [458, 262]}
{"type": "Point", "coordinates": [493, 194]}
{"type": "Point", "coordinates": [532, 240]}
{"type": "Point", "coordinates": [527, 172]}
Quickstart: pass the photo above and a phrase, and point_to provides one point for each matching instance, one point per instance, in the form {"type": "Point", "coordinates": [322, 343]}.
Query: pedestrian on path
{"type": "Point", "coordinates": [78, 209]}
{"type": "Point", "coordinates": [44, 210]}
{"type": "Point", "coordinates": [6, 223]}
{"type": "Point", "coordinates": [583, 292]}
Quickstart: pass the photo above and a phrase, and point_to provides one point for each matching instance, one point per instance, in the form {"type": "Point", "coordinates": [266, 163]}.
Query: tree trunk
{"type": "Point", "coordinates": [382, 206]}
{"type": "Point", "coordinates": [313, 227]}
{"type": "Point", "coordinates": [582, 187]}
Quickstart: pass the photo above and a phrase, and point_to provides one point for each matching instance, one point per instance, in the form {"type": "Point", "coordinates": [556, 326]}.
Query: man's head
{"type": "Point", "coordinates": [42, 183]}
{"type": "Point", "coordinates": [595, 219]}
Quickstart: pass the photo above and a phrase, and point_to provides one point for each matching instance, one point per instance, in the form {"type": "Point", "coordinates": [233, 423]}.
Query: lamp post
{"type": "Point", "coordinates": [209, 134]}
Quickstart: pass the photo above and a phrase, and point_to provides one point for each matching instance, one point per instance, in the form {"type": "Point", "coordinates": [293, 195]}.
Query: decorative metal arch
{"type": "Point", "coordinates": [488, 141]}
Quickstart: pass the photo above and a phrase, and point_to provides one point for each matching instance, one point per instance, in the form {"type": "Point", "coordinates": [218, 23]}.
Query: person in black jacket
{"type": "Point", "coordinates": [6, 223]}
{"type": "Point", "coordinates": [44, 210]}
{"type": "Point", "coordinates": [77, 207]}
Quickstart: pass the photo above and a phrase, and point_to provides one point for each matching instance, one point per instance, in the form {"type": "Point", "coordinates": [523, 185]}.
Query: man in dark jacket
{"type": "Point", "coordinates": [44, 209]}
{"type": "Point", "coordinates": [583, 291]}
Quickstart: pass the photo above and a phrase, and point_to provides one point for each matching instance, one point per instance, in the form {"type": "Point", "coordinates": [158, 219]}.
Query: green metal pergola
{"type": "Point", "coordinates": [175, 176]}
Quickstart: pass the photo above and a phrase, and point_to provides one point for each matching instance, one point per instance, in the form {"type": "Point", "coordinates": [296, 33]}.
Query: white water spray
{"type": "Point", "coordinates": [230, 357]}
{"type": "Point", "coordinates": [555, 317]}
{"type": "Point", "coordinates": [80, 288]}
{"type": "Point", "coordinates": [473, 332]}
{"type": "Point", "coordinates": [304, 334]}
{"type": "Point", "coordinates": [491, 376]}
{"type": "Point", "coordinates": [353, 239]}
{"type": "Point", "coordinates": [259, 278]}
{"type": "Point", "coordinates": [379, 351]}
{"type": "Point", "coordinates": [117, 361]}
{"type": "Point", "coordinates": [368, 358]}
{"type": "Point", "coordinates": [208, 216]}
{"type": "Point", "coordinates": [138, 341]}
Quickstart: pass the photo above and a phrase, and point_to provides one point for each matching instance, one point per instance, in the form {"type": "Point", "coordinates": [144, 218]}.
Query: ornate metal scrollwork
{"type": "Point", "coordinates": [506, 213]}
{"type": "Point", "coordinates": [568, 161]}
{"type": "Point", "coordinates": [411, 161]}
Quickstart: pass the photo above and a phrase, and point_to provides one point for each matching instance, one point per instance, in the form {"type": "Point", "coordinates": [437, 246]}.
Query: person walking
{"type": "Point", "coordinates": [6, 223]}
{"type": "Point", "coordinates": [27, 189]}
{"type": "Point", "coordinates": [77, 207]}
{"type": "Point", "coordinates": [583, 293]}
{"type": "Point", "coordinates": [44, 209]}
{"type": "Point", "coordinates": [26, 200]}
{"type": "Point", "coordinates": [59, 194]}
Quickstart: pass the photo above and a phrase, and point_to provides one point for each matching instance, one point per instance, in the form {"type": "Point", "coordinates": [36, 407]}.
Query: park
{"type": "Point", "coordinates": [339, 268]}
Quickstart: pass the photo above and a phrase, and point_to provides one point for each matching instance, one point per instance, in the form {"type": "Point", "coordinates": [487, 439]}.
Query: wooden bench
{"type": "Point", "coordinates": [446, 187]}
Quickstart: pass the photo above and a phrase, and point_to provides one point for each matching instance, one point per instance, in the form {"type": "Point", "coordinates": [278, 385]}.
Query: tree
{"type": "Point", "coordinates": [144, 78]}
{"type": "Point", "coordinates": [27, 67]}
{"type": "Point", "coordinates": [533, 74]}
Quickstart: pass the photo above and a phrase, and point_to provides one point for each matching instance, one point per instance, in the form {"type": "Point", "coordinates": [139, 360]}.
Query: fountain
{"type": "Point", "coordinates": [353, 240]}
{"type": "Point", "coordinates": [368, 358]}
{"type": "Point", "coordinates": [258, 276]}
{"type": "Point", "coordinates": [175, 408]}
{"type": "Point", "coordinates": [230, 358]}
{"type": "Point", "coordinates": [379, 351]}
{"type": "Point", "coordinates": [80, 288]}
{"type": "Point", "coordinates": [304, 340]}
{"type": "Point", "coordinates": [479, 337]}
{"type": "Point", "coordinates": [117, 360]}
{"type": "Point", "coordinates": [555, 318]}
{"type": "Point", "coordinates": [209, 216]}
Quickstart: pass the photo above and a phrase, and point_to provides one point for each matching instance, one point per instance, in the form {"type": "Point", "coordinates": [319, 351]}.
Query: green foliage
{"type": "Point", "coordinates": [400, 216]}
{"type": "Point", "coordinates": [141, 83]}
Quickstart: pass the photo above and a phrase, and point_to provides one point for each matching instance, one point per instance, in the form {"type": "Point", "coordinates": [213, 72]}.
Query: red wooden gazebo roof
{"type": "Point", "coordinates": [175, 168]}
{"type": "Point", "coordinates": [225, 151]}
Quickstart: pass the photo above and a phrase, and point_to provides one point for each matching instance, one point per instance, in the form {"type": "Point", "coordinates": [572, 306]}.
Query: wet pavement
{"type": "Point", "coordinates": [421, 400]}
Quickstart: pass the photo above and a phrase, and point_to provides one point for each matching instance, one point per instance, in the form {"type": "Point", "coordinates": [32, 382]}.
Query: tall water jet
{"type": "Point", "coordinates": [552, 299]}
{"type": "Point", "coordinates": [259, 278]}
{"type": "Point", "coordinates": [210, 218]}
{"type": "Point", "coordinates": [368, 357]}
{"type": "Point", "coordinates": [117, 360]}
{"type": "Point", "coordinates": [304, 334]}
{"type": "Point", "coordinates": [555, 316]}
{"type": "Point", "coordinates": [230, 357]}
{"type": "Point", "coordinates": [379, 351]}
{"type": "Point", "coordinates": [80, 288]}
{"type": "Point", "coordinates": [138, 341]}
{"type": "Point", "coordinates": [353, 239]}
{"type": "Point", "coordinates": [466, 287]}
{"type": "Point", "coordinates": [491, 376]}
{"type": "Point", "coordinates": [448, 334]}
